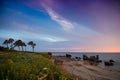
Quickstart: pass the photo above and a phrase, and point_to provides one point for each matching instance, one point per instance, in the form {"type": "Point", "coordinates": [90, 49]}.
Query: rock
{"type": "Point", "coordinates": [108, 63]}
{"type": "Point", "coordinates": [99, 61]}
{"type": "Point", "coordinates": [111, 60]}
{"type": "Point", "coordinates": [68, 55]}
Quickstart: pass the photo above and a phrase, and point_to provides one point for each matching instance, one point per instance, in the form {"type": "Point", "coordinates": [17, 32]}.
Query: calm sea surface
{"type": "Point", "coordinates": [102, 56]}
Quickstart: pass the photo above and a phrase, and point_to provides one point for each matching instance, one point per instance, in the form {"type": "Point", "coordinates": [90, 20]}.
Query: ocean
{"type": "Point", "coordinates": [102, 56]}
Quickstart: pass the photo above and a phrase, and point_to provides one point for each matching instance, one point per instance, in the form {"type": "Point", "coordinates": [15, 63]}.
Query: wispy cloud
{"type": "Point", "coordinates": [29, 31]}
{"type": "Point", "coordinates": [27, 35]}
{"type": "Point", "coordinates": [67, 25]}
{"type": "Point", "coordinates": [20, 26]}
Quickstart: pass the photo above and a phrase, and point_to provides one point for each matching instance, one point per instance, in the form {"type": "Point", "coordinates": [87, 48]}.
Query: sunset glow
{"type": "Point", "coordinates": [63, 25]}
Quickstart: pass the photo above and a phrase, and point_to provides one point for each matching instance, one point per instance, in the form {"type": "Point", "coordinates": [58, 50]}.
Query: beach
{"type": "Point", "coordinates": [84, 71]}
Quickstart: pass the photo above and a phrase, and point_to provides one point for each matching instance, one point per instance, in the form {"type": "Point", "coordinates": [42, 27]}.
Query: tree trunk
{"type": "Point", "coordinates": [7, 46]}
{"type": "Point", "coordinates": [33, 49]}
{"type": "Point", "coordinates": [19, 48]}
{"type": "Point", "coordinates": [25, 49]}
{"type": "Point", "coordinates": [22, 48]}
{"type": "Point", "coordinates": [11, 46]}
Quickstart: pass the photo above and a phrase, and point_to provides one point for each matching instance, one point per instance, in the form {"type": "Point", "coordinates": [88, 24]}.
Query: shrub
{"type": "Point", "coordinates": [29, 66]}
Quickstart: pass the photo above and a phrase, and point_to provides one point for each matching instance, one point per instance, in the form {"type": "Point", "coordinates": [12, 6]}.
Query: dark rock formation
{"type": "Point", "coordinates": [78, 58]}
{"type": "Point", "coordinates": [85, 57]}
{"type": "Point", "coordinates": [111, 60]}
{"type": "Point", "coordinates": [68, 55]}
{"type": "Point", "coordinates": [108, 63]}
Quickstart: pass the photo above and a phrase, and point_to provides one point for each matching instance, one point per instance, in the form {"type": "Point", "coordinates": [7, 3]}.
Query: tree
{"type": "Point", "coordinates": [6, 43]}
{"type": "Point", "coordinates": [18, 43]}
{"type": "Point", "coordinates": [23, 45]}
{"type": "Point", "coordinates": [10, 41]}
{"type": "Point", "coordinates": [32, 45]}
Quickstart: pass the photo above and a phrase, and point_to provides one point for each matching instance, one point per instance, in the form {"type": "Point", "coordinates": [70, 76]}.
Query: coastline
{"type": "Point", "coordinates": [83, 70]}
{"type": "Point", "coordinates": [104, 57]}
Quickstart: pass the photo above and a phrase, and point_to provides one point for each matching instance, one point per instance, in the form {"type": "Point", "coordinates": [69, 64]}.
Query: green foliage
{"type": "Point", "coordinates": [29, 66]}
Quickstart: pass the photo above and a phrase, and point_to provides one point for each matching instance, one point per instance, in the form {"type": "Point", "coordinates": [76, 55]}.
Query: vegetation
{"type": "Point", "coordinates": [18, 43]}
{"type": "Point", "coordinates": [6, 43]}
{"type": "Point", "coordinates": [10, 44]}
{"type": "Point", "coordinates": [10, 41]}
{"type": "Point", "coordinates": [24, 65]}
{"type": "Point", "coordinates": [3, 48]}
{"type": "Point", "coordinates": [29, 66]}
{"type": "Point", "coordinates": [32, 45]}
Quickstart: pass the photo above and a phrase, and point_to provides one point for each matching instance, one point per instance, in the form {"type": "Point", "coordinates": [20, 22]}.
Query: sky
{"type": "Point", "coordinates": [62, 25]}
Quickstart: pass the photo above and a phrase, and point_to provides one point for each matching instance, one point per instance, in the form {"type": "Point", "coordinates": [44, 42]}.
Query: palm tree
{"type": "Point", "coordinates": [6, 43]}
{"type": "Point", "coordinates": [18, 43]}
{"type": "Point", "coordinates": [10, 41]}
{"type": "Point", "coordinates": [32, 45]}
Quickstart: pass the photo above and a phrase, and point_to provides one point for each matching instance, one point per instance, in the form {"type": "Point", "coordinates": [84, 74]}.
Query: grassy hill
{"type": "Point", "coordinates": [29, 66]}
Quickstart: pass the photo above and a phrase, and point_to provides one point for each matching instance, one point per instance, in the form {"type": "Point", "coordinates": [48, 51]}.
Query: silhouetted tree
{"type": "Point", "coordinates": [18, 43]}
{"type": "Point", "coordinates": [10, 41]}
{"type": "Point", "coordinates": [6, 43]}
{"type": "Point", "coordinates": [23, 45]}
{"type": "Point", "coordinates": [32, 45]}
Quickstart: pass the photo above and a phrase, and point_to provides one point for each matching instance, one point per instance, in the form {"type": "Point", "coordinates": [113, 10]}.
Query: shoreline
{"type": "Point", "coordinates": [83, 70]}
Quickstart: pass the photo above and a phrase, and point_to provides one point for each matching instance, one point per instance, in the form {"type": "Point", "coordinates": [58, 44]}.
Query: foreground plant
{"type": "Point", "coordinates": [29, 66]}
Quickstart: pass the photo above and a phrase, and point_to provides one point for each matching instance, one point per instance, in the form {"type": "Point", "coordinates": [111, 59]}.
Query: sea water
{"type": "Point", "coordinates": [102, 56]}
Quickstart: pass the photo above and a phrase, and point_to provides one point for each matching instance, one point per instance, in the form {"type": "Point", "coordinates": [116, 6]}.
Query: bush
{"type": "Point", "coordinates": [29, 66]}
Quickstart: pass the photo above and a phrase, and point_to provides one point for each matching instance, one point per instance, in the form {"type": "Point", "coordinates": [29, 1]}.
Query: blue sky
{"type": "Point", "coordinates": [63, 25]}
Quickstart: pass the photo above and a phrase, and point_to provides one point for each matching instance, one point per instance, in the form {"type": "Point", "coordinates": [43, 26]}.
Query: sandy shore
{"type": "Point", "coordinates": [83, 70]}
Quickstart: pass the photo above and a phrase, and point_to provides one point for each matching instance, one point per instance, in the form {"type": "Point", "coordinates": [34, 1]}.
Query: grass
{"type": "Point", "coordinates": [29, 66]}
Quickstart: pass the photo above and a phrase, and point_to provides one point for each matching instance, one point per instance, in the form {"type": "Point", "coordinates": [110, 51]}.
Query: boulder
{"type": "Point", "coordinates": [108, 63]}
{"type": "Point", "coordinates": [111, 60]}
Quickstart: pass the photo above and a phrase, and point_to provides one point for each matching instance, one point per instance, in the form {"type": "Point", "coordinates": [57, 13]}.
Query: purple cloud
{"type": "Point", "coordinates": [100, 15]}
